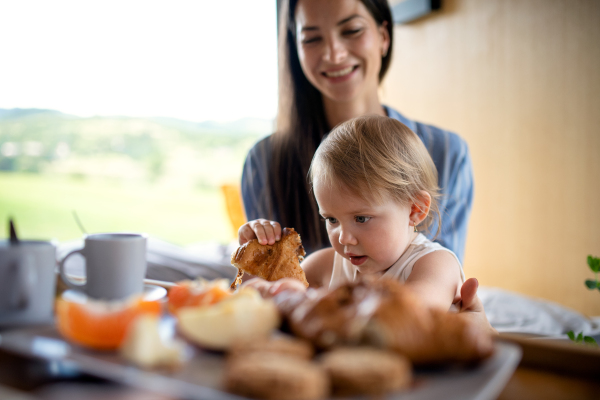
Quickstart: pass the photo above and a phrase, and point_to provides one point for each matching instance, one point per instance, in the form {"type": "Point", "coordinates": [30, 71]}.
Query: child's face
{"type": "Point", "coordinates": [371, 236]}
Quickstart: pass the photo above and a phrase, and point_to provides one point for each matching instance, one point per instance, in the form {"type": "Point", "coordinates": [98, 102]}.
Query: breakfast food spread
{"type": "Point", "coordinates": [271, 262]}
{"type": "Point", "coordinates": [367, 334]}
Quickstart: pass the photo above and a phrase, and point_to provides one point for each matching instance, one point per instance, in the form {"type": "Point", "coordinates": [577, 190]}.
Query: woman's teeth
{"type": "Point", "coordinates": [341, 72]}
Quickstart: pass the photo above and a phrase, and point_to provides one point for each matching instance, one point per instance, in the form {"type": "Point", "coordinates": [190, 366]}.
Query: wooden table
{"type": "Point", "coordinates": [547, 371]}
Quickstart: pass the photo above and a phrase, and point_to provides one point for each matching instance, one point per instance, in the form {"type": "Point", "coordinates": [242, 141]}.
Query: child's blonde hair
{"type": "Point", "coordinates": [375, 156]}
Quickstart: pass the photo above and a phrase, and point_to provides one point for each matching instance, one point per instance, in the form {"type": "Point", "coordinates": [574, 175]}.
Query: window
{"type": "Point", "coordinates": [131, 113]}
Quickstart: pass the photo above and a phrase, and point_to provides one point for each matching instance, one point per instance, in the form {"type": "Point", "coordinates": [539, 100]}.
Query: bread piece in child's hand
{"type": "Point", "coordinates": [272, 262]}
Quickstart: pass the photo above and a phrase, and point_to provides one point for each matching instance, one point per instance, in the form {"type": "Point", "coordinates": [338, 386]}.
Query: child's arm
{"type": "Point", "coordinates": [318, 267]}
{"type": "Point", "coordinates": [436, 280]}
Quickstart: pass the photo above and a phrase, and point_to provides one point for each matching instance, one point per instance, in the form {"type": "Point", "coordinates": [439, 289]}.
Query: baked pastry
{"type": "Point", "coordinates": [275, 376]}
{"type": "Point", "coordinates": [271, 262]}
{"type": "Point", "coordinates": [366, 371]}
{"type": "Point", "coordinates": [328, 318]}
{"type": "Point", "coordinates": [280, 344]}
{"type": "Point", "coordinates": [425, 336]}
{"type": "Point", "coordinates": [384, 313]}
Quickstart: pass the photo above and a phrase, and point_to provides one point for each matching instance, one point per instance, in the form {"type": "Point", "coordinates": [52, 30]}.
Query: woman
{"type": "Point", "coordinates": [333, 55]}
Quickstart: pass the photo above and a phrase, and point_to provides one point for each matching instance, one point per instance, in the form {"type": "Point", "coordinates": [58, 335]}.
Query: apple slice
{"type": "Point", "coordinates": [245, 315]}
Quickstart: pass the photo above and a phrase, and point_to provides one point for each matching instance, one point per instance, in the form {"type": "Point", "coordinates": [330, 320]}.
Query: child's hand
{"type": "Point", "coordinates": [471, 307]}
{"type": "Point", "coordinates": [267, 232]}
{"type": "Point", "coordinates": [259, 284]}
{"type": "Point", "coordinates": [286, 284]}
{"type": "Point", "coordinates": [269, 289]}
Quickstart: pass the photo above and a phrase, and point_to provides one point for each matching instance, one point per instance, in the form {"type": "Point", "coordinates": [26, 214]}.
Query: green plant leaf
{"type": "Point", "coordinates": [591, 285]}
{"type": "Point", "coordinates": [590, 340]}
{"type": "Point", "coordinates": [594, 263]}
{"type": "Point", "coordinates": [579, 337]}
{"type": "Point", "coordinates": [571, 335]}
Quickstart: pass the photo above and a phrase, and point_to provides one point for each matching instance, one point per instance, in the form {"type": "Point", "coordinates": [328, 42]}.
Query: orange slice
{"type": "Point", "coordinates": [100, 325]}
{"type": "Point", "coordinates": [197, 293]}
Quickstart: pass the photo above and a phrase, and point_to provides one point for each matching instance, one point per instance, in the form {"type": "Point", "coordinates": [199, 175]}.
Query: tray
{"type": "Point", "coordinates": [201, 375]}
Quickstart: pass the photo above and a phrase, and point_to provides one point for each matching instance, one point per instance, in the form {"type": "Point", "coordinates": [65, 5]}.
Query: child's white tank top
{"type": "Point", "coordinates": [344, 271]}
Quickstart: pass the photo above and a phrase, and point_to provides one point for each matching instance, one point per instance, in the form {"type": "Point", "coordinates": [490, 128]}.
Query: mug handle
{"type": "Point", "coordinates": [27, 277]}
{"type": "Point", "coordinates": [63, 274]}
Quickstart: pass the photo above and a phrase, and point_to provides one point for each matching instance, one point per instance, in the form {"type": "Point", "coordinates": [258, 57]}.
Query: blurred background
{"type": "Point", "coordinates": [131, 113]}
{"type": "Point", "coordinates": [134, 114]}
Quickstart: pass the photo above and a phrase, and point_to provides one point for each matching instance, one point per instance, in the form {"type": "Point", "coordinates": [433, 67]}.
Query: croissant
{"type": "Point", "coordinates": [271, 262]}
{"type": "Point", "coordinates": [383, 313]}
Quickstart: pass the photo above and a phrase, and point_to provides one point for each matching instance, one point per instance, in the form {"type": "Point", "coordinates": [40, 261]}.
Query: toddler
{"type": "Point", "coordinates": [376, 188]}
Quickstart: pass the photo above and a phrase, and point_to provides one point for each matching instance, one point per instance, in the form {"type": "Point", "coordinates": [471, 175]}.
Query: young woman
{"type": "Point", "coordinates": [333, 56]}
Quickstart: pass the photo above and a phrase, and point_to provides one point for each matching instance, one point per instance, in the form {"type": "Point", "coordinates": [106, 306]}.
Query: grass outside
{"type": "Point", "coordinates": [42, 207]}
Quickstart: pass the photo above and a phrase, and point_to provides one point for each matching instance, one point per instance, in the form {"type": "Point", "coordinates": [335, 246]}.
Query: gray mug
{"type": "Point", "coordinates": [27, 282]}
{"type": "Point", "coordinates": [115, 265]}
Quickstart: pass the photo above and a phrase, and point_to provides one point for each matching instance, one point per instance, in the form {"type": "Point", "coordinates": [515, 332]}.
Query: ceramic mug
{"type": "Point", "coordinates": [27, 282]}
{"type": "Point", "coordinates": [115, 265]}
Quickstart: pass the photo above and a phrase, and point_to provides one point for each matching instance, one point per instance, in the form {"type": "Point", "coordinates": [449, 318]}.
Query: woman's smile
{"type": "Point", "coordinates": [340, 72]}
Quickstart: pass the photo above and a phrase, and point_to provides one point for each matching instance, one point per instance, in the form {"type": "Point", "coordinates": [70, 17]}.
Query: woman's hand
{"type": "Point", "coordinates": [267, 232]}
{"type": "Point", "coordinates": [471, 306]}
{"type": "Point", "coordinates": [269, 289]}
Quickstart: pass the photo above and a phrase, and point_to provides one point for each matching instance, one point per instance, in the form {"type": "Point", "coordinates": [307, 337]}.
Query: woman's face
{"type": "Point", "coordinates": [340, 47]}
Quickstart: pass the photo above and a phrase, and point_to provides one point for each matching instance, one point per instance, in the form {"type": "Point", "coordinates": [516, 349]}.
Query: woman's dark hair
{"type": "Point", "coordinates": [301, 125]}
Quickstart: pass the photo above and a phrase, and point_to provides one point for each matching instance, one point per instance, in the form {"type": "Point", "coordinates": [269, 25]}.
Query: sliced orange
{"type": "Point", "coordinates": [100, 325]}
{"type": "Point", "coordinates": [197, 293]}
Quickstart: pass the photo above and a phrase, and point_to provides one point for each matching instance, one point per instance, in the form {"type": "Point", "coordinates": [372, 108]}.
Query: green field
{"type": "Point", "coordinates": [42, 207]}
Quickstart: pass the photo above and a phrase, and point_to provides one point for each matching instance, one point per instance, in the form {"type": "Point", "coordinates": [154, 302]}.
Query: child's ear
{"type": "Point", "coordinates": [420, 208]}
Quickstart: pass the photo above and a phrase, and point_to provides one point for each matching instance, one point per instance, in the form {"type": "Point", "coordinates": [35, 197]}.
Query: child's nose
{"type": "Point", "coordinates": [347, 238]}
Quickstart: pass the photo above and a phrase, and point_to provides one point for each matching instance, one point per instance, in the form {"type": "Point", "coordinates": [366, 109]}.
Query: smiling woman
{"type": "Point", "coordinates": [339, 47]}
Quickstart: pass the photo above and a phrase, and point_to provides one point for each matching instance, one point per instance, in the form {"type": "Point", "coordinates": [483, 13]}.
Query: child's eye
{"type": "Point", "coordinates": [331, 220]}
{"type": "Point", "coordinates": [361, 219]}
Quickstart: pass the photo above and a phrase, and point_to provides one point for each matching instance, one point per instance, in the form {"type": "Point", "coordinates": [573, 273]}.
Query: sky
{"type": "Point", "coordinates": [196, 60]}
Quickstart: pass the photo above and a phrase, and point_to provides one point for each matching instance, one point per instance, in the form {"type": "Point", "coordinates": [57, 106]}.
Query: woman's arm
{"type": "Point", "coordinates": [450, 154]}
{"type": "Point", "coordinates": [436, 280]}
{"type": "Point", "coordinates": [257, 203]}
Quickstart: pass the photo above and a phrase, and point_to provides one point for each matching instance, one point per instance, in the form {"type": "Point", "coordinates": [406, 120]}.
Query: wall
{"type": "Point", "coordinates": [520, 81]}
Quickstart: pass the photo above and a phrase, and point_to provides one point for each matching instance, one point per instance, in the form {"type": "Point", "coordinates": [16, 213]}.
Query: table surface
{"type": "Point", "coordinates": [26, 379]}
